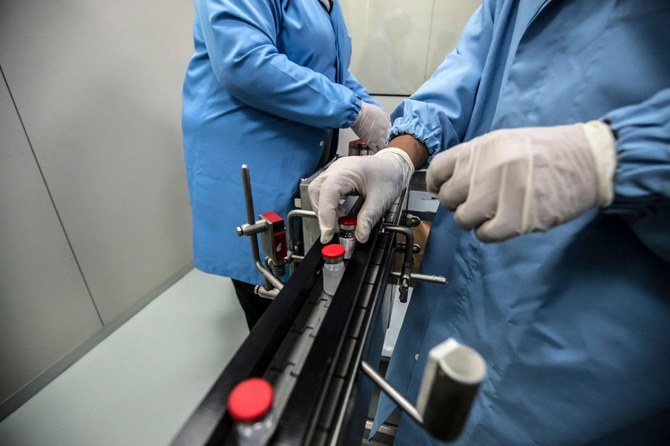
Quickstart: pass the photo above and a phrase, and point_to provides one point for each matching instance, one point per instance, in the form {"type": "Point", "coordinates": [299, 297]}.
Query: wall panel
{"type": "Point", "coordinates": [98, 85]}
{"type": "Point", "coordinates": [45, 309]}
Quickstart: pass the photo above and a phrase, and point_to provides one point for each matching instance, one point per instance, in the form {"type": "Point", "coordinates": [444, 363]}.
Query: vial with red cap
{"type": "Point", "coordinates": [250, 406]}
{"type": "Point", "coordinates": [333, 267]}
{"type": "Point", "coordinates": [347, 237]}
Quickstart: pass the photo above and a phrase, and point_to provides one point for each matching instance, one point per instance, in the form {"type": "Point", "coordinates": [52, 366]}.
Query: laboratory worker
{"type": "Point", "coordinates": [268, 82]}
{"type": "Point", "coordinates": [547, 131]}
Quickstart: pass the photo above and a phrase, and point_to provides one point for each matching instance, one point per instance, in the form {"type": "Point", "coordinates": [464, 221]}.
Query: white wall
{"type": "Point", "coordinates": [94, 214]}
{"type": "Point", "coordinates": [398, 44]}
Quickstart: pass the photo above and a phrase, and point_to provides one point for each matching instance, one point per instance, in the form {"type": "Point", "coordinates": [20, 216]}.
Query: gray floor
{"type": "Point", "coordinates": [140, 384]}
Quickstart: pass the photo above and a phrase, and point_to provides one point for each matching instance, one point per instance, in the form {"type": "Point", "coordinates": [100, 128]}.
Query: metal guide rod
{"type": "Point", "coordinates": [422, 277]}
{"type": "Point", "coordinates": [290, 218]}
{"type": "Point", "coordinates": [407, 258]}
{"type": "Point", "coordinates": [392, 393]}
{"type": "Point", "coordinates": [249, 202]}
{"type": "Point", "coordinates": [248, 198]}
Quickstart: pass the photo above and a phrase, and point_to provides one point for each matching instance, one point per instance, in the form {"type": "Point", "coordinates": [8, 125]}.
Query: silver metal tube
{"type": "Point", "coordinates": [247, 229]}
{"type": "Point", "coordinates": [269, 276]}
{"type": "Point", "coordinates": [407, 266]}
{"type": "Point", "coordinates": [292, 215]}
{"type": "Point", "coordinates": [248, 198]}
{"type": "Point", "coordinates": [409, 243]}
{"type": "Point", "coordinates": [268, 294]}
{"type": "Point", "coordinates": [392, 393]}
{"type": "Point", "coordinates": [423, 277]}
{"type": "Point", "coordinates": [249, 202]}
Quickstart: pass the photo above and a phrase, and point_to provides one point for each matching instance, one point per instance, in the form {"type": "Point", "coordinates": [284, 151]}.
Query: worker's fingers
{"type": "Point", "coordinates": [514, 214]}
{"type": "Point", "coordinates": [314, 190]}
{"type": "Point", "coordinates": [365, 222]}
{"type": "Point", "coordinates": [482, 193]}
{"type": "Point", "coordinates": [441, 169]}
{"type": "Point", "coordinates": [455, 190]}
{"type": "Point", "coordinates": [332, 188]}
{"type": "Point", "coordinates": [325, 223]}
{"type": "Point", "coordinates": [371, 211]}
{"type": "Point", "coordinates": [476, 210]}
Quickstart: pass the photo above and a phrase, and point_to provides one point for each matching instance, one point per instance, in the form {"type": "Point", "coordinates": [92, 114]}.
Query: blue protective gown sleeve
{"type": "Point", "coordinates": [642, 179]}
{"type": "Point", "coordinates": [352, 83]}
{"type": "Point", "coordinates": [450, 93]}
{"type": "Point", "coordinates": [255, 72]}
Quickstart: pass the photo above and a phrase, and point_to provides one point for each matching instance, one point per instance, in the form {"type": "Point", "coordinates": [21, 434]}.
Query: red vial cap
{"type": "Point", "coordinates": [332, 251]}
{"type": "Point", "coordinates": [347, 220]}
{"type": "Point", "coordinates": [250, 400]}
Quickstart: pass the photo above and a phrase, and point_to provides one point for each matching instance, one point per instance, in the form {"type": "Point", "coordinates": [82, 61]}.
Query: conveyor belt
{"type": "Point", "coordinates": [311, 344]}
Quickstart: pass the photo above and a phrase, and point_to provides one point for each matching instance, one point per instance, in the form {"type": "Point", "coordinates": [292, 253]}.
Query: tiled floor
{"type": "Point", "coordinates": [141, 383]}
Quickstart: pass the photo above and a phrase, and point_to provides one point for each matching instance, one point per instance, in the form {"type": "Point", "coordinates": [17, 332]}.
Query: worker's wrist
{"type": "Point", "coordinates": [602, 143]}
{"type": "Point", "coordinates": [416, 150]}
{"type": "Point", "coordinates": [400, 152]}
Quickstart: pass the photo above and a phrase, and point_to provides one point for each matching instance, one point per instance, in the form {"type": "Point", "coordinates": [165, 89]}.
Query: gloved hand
{"type": "Point", "coordinates": [372, 125]}
{"type": "Point", "coordinates": [511, 182]}
{"type": "Point", "coordinates": [379, 178]}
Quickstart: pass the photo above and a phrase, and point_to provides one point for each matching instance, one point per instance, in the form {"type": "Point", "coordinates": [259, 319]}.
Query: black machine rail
{"type": "Point", "coordinates": [330, 398]}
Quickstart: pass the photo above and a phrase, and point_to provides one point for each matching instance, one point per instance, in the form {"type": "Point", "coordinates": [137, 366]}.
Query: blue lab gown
{"type": "Point", "coordinates": [267, 82]}
{"type": "Point", "coordinates": [574, 323]}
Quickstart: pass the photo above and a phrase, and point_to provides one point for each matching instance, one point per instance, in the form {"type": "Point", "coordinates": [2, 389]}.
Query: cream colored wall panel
{"type": "Point", "coordinates": [449, 18]}
{"type": "Point", "coordinates": [390, 52]}
{"type": "Point", "coordinates": [45, 310]}
{"type": "Point", "coordinates": [397, 45]}
{"type": "Point", "coordinates": [356, 13]}
{"type": "Point", "coordinates": [98, 84]}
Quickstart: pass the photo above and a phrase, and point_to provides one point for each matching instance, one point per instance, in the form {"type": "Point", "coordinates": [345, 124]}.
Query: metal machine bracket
{"type": "Point", "coordinates": [450, 383]}
{"type": "Point", "coordinates": [265, 225]}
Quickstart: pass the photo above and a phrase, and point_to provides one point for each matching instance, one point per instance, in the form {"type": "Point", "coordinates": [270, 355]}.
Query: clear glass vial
{"type": "Point", "coordinates": [250, 406]}
{"type": "Point", "coordinates": [333, 267]}
{"type": "Point", "coordinates": [347, 237]}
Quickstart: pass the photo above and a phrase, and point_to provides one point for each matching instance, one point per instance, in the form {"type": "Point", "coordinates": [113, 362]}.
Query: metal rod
{"type": "Point", "coordinates": [423, 277]}
{"type": "Point", "coordinates": [292, 215]}
{"type": "Point", "coordinates": [392, 393]}
{"type": "Point", "coordinates": [248, 198]}
{"type": "Point", "coordinates": [407, 266]}
{"type": "Point", "coordinates": [269, 276]}
{"type": "Point", "coordinates": [247, 229]}
{"type": "Point", "coordinates": [249, 202]}
{"type": "Point", "coordinates": [385, 429]}
{"type": "Point", "coordinates": [268, 294]}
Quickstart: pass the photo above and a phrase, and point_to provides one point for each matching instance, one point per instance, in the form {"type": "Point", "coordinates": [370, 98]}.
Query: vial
{"type": "Point", "coordinates": [347, 237]}
{"type": "Point", "coordinates": [250, 405]}
{"type": "Point", "coordinates": [358, 147]}
{"type": "Point", "coordinates": [333, 267]}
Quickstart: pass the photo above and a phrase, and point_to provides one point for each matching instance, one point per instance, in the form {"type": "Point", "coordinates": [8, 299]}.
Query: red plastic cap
{"type": "Point", "coordinates": [332, 251]}
{"type": "Point", "coordinates": [347, 220]}
{"type": "Point", "coordinates": [250, 400]}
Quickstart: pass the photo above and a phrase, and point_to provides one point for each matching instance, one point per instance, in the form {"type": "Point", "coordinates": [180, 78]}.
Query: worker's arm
{"type": "Point", "coordinates": [642, 177]}
{"type": "Point", "coordinates": [437, 114]}
{"type": "Point", "coordinates": [435, 117]}
{"type": "Point", "coordinates": [515, 181]}
{"type": "Point", "coordinates": [415, 149]}
{"type": "Point", "coordinates": [240, 36]}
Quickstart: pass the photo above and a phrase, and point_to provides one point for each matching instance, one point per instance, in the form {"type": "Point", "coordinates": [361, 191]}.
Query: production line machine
{"type": "Point", "coordinates": [319, 352]}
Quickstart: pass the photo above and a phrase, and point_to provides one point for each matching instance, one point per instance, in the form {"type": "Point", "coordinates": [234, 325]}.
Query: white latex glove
{"type": "Point", "coordinates": [511, 182]}
{"type": "Point", "coordinates": [372, 125]}
{"type": "Point", "coordinates": [379, 178]}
